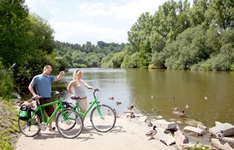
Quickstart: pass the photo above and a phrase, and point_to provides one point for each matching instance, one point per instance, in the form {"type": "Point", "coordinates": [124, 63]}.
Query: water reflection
{"type": "Point", "coordinates": [188, 88]}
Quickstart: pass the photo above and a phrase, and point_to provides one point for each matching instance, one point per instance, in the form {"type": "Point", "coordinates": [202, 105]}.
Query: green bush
{"type": "Point", "coordinates": [6, 82]}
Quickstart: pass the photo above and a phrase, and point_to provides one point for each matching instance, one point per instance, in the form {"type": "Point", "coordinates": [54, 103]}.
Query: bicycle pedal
{"type": "Point", "coordinates": [43, 126]}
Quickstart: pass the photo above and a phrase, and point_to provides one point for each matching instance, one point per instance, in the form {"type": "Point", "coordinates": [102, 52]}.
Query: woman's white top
{"type": "Point", "coordinates": [79, 90]}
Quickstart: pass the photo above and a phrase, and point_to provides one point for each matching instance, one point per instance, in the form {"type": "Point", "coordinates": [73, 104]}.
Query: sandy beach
{"type": "Point", "coordinates": [127, 134]}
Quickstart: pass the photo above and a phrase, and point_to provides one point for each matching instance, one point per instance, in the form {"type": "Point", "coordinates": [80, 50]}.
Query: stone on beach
{"type": "Point", "coordinates": [229, 140]}
{"type": "Point", "coordinates": [193, 129]}
{"type": "Point", "coordinates": [165, 124]}
{"type": "Point", "coordinates": [180, 138]}
{"type": "Point", "coordinates": [220, 144]}
{"type": "Point", "coordinates": [167, 139]}
{"type": "Point", "coordinates": [226, 128]}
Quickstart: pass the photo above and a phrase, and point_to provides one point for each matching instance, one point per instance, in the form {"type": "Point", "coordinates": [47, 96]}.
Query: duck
{"type": "Point", "coordinates": [175, 111]}
{"type": "Point", "coordinates": [219, 135]}
{"type": "Point", "coordinates": [148, 122]}
{"type": "Point", "coordinates": [154, 109]}
{"type": "Point", "coordinates": [181, 113]}
{"type": "Point", "coordinates": [132, 115]}
{"type": "Point", "coordinates": [115, 111]}
{"type": "Point", "coordinates": [152, 133]}
{"type": "Point", "coordinates": [118, 103]}
{"type": "Point", "coordinates": [111, 98]}
{"type": "Point", "coordinates": [108, 112]}
{"type": "Point", "coordinates": [131, 107]}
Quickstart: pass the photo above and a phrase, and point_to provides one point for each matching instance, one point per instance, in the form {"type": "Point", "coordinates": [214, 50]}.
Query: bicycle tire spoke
{"type": "Point", "coordinates": [103, 118]}
{"type": "Point", "coordinates": [69, 123]}
{"type": "Point", "coordinates": [30, 127]}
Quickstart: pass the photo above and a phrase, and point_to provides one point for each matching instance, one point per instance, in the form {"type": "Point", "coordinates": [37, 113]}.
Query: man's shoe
{"type": "Point", "coordinates": [52, 129]}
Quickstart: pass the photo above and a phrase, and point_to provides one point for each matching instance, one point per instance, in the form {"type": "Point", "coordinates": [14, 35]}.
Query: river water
{"type": "Point", "coordinates": [209, 96]}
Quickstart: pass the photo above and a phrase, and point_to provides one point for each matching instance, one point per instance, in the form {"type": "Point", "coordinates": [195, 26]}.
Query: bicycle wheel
{"type": "Point", "coordinates": [69, 123]}
{"type": "Point", "coordinates": [30, 127]}
{"type": "Point", "coordinates": [61, 121]}
{"type": "Point", "coordinates": [103, 118]}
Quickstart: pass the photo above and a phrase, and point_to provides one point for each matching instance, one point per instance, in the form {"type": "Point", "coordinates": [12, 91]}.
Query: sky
{"type": "Point", "coordinates": [81, 21]}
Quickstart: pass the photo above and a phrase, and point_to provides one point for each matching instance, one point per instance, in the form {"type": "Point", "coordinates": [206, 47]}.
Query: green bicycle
{"type": "Point", "coordinates": [68, 122]}
{"type": "Point", "coordinates": [102, 117]}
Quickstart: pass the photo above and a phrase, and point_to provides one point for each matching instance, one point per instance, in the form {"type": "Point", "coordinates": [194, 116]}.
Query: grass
{"type": "Point", "coordinates": [9, 131]}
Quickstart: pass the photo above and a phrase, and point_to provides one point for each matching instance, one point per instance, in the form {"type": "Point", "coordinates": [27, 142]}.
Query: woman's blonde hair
{"type": "Point", "coordinates": [75, 73]}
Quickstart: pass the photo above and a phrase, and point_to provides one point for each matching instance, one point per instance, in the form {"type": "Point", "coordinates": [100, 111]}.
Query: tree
{"type": "Point", "coordinates": [14, 32]}
{"type": "Point", "coordinates": [117, 59]}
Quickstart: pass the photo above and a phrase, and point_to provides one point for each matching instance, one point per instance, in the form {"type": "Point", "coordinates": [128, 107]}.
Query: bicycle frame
{"type": "Point", "coordinates": [39, 109]}
{"type": "Point", "coordinates": [99, 114]}
{"type": "Point", "coordinates": [95, 101]}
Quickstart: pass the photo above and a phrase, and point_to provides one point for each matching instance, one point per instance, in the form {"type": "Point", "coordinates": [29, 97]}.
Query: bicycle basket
{"type": "Point", "coordinates": [24, 112]}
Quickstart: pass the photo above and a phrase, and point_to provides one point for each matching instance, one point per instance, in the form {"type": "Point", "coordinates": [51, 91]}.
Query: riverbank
{"type": "Point", "coordinates": [130, 133]}
{"type": "Point", "coordinates": [125, 135]}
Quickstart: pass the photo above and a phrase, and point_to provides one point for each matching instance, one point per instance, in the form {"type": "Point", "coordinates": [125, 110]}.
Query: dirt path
{"type": "Point", "coordinates": [126, 135]}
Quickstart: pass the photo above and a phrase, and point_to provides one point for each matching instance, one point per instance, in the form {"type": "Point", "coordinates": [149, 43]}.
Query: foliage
{"type": "Point", "coordinates": [199, 146]}
{"type": "Point", "coordinates": [6, 82]}
{"type": "Point", "coordinates": [9, 132]}
{"type": "Point", "coordinates": [117, 59]}
{"type": "Point", "coordinates": [106, 61]}
{"type": "Point", "coordinates": [178, 36]}
{"type": "Point", "coordinates": [14, 27]}
{"type": "Point", "coordinates": [89, 55]}
{"type": "Point", "coordinates": [130, 61]}
{"type": "Point", "coordinates": [26, 41]}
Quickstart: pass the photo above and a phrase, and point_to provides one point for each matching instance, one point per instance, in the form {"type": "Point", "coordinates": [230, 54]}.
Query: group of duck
{"type": "Point", "coordinates": [153, 132]}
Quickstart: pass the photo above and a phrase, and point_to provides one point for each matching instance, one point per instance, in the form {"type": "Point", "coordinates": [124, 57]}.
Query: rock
{"type": "Point", "coordinates": [229, 140]}
{"type": "Point", "coordinates": [180, 138]}
{"type": "Point", "coordinates": [159, 117]}
{"type": "Point", "coordinates": [165, 125]}
{"type": "Point", "coordinates": [227, 128]}
{"type": "Point", "coordinates": [167, 139]}
{"type": "Point", "coordinates": [220, 144]}
{"type": "Point", "coordinates": [193, 129]}
{"type": "Point", "coordinates": [16, 95]}
{"type": "Point", "coordinates": [218, 123]}
{"type": "Point", "coordinates": [201, 126]}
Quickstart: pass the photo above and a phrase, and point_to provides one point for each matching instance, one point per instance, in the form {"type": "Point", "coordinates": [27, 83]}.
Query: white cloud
{"type": "Point", "coordinates": [81, 33]}
{"type": "Point", "coordinates": [78, 21]}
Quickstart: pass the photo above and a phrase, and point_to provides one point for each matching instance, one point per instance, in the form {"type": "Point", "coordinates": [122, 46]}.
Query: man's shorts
{"type": "Point", "coordinates": [48, 109]}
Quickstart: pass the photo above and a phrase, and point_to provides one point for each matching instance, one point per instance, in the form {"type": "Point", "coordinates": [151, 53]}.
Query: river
{"type": "Point", "coordinates": [208, 95]}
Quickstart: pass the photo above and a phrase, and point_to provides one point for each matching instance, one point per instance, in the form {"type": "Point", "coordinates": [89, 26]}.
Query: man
{"type": "Point", "coordinates": [42, 84]}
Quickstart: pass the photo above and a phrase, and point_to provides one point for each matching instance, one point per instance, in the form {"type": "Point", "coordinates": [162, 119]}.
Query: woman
{"type": "Point", "coordinates": [77, 89]}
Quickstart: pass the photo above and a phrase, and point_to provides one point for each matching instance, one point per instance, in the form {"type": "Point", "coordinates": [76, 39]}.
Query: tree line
{"type": "Point", "coordinates": [179, 35]}
{"type": "Point", "coordinates": [88, 55]}
{"type": "Point", "coordinates": [184, 36]}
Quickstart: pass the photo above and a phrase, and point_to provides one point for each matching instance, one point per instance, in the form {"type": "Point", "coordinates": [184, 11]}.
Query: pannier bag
{"type": "Point", "coordinates": [24, 112]}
